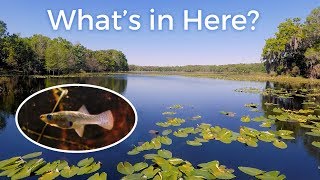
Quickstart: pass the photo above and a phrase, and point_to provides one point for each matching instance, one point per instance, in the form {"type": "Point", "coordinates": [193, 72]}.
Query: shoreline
{"type": "Point", "coordinates": [258, 77]}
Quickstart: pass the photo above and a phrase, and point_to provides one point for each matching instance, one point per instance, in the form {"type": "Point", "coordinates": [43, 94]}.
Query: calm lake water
{"type": "Point", "coordinates": [152, 95]}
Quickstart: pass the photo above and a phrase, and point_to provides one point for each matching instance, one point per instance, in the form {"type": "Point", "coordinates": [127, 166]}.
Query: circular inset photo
{"type": "Point", "coordinates": [76, 118]}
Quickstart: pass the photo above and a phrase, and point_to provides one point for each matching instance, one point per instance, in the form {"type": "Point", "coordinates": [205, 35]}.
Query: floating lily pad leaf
{"type": "Point", "coordinates": [156, 143]}
{"type": "Point", "coordinates": [284, 132]}
{"type": "Point", "coordinates": [280, 144]}
{"type": "Point", "coordinates": [200, 140]}
{"type": "Point", "coordinates": [163, 124]}
{"type": "Point", "coordinates": [200, 173]}
{"type": "Point", "coordinates": [96, 176]}
{"type": "Point", "coordinates": [180, 134]}
{"type": "Point", "coordinates": [10, 172]}
{"type": "Point", "coordinates": [133, 152]}
{"type": "Point", "coordinates": [251, 171]}
{"type": "Point", "coordinates": [166, 132]}
{"type": "Point", "coordinates": [68, 172]}
{"type": "Point", "coordinates": [194, 143]}
{"type": "Point", "coordinates": [103, 176]}
{"type": "Point", "coordinates": [287, 137]}
{"type": "Point", "coordinates": [230, 114]}
{"type": "Point", "coordinates": [7, 162]}
{"type": "Point", "coordinates": [266, 124]}
{"type": "Point", "coordinates": [140, 166]}
{"type": "Point", "coordinates": [62, 165]}
{"type": "Point", "coordinates": [13, 166]}
{"type": "Point", "coordinates": [176, 106]}
{"type": "Point", "coordinates": [85, 162]}
{"type": "Point", "coordinates": [259, 119]}
{"type": "Point", "coordinates": [165, 140]}
{"type": "Point", "coordinates": [252, 143]}
{"type": "Point", "coordinates": [125, 168]}
{"type": "Point", "coordinates": [84, 170]}
{"type": "Point", "coordinates": [150, 156]}
{"type": "Point", "coordinates": [307, 126]}
{"type": "Point", "coordinates": [254, 110]}
{"type": "Point", "coordinates": [313, 134]}
{"type": "Point", "coordinates": [150, 172]}
{"type": "Point", "coordinates": [186, 169]}
{"type": "Point", "coordinates": [245, 119]}
{"type": "Point", "coordinates": [133, 177]}
{"type": "Point", "coordinates": [271, 175]}
{"type": "Point", "coordinates": [165, 153]}
{"type": "Point", "coordinates": [32, 155]}
{"type": "Point", "coordinates": [196, 117]}
{"type": "Point", "coordinates": [316, 144]}
{"type": "Point", "coordinates": [157, 177]}
{"type": "Point", "coordinates": [169, 113]}
{"type": "Point", "coordinates": [94, 167]}
{"type": "Point", "coordinates": [175, 161]}
{"type": "Point", "coordinates": [50, 175]}
{"type": "Point", "coordinates": [47, 168]}
{"type": "Point", "coordinates": [251, 105]}
{"type": "Point", "coordinates": [23, 173]}
{"type": "Point", "coordinates": [224, 175]}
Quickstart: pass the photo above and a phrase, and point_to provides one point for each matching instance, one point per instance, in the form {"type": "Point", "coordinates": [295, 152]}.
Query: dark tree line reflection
{"type": "Point", "coordinates": [13, 90]}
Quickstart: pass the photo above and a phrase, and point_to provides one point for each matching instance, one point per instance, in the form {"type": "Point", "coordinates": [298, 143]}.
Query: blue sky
{"type": "Point", "coordinates": [146, 47]}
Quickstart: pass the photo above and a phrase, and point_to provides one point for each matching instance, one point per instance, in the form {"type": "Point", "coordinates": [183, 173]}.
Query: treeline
{"type": "Point", "coordinates": [295, 48]}
{"type": "Point", "coordinates": [230, 68]}
{"type": "Point", "coordinates": [41, 55]}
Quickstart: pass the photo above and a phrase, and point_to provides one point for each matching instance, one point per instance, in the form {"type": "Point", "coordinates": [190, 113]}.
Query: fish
{"type": "Point", "coordinates": [77, 120]}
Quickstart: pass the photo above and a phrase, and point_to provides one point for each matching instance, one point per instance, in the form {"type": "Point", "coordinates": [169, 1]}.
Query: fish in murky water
{"type": "Point", "coordinates": [78, 119]}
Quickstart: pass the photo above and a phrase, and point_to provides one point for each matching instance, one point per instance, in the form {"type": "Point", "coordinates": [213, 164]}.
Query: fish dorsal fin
{"type": "Point", "coordinates": [83, 109]}
{"type": "Point", "coordinates": [79, 129]}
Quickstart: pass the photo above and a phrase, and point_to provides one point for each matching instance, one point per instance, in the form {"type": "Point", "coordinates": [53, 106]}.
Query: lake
{"type": "Point", "coordinates": [152, 95]}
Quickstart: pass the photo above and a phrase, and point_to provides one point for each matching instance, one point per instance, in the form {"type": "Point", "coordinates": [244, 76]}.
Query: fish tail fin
{"type": "Point", "coordinates": [79, 130]}
{"type": "Point", "coordinates": [106, 120]}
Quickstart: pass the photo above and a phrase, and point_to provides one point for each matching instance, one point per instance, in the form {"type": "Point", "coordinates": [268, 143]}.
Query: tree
{"type": "Point", "coordinates": [58, 56]}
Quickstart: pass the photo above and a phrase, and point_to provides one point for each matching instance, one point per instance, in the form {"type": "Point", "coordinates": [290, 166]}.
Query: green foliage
{"type": "Point", "coordinates": [21, 167]}
{"type": "Point", "coordinates": [294, 49]}
{"type": "Point", "coordinates": [41, 55]}
{"type": "Point", "coordinates": [230, 68]}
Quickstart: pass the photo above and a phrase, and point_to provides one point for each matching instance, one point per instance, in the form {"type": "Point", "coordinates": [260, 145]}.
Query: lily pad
{"type": "Point", "coordinates": [85, 162]}
{"type": "Point", "coordinates": [164, 153]}
{"type": "Point", "coordinates": [250, 171]}
{"type": "Point", "coordinates": [125, 168]}
{"type": "Point", "coordinates": [280, 144]}
{"type": "Point", "coordinates": [245, 119]}
{"type": "Point", "coordinates": [140, 166]}
{"type": "Point", "coordinates": [69, 171]}
{"type": "Point", "coordinates": [32, 155]}
{"type": "Point", "coordinates": [316, 144]}
{"type": "Point", "coordinates": [166, 132]}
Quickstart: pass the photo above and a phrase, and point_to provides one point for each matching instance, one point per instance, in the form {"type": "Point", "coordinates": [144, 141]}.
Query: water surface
{"type": "Point", "coordinates": [152, 95]}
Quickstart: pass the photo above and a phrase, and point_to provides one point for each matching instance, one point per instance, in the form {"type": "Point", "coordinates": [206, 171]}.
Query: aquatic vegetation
{"type": "Point", "coordinates": [260, 174]}
{"type": "Point", "coordinates": [155, 143]}
{"type": "Point", "coordinates": [164, 166]}
{"type": "Point", "coordinates": [21, 167]}
{"type": "Point", "coordinates": [249, 90]}
{"type": "Point", "coordinates": [196, 117]}
{"type": "Point", "coordinates": [169, 113]}
{"type": "Point", "coordinates": [176, 106]}
{"type": "Point", "coordinates": [251, 105]}
{"type": "Point", "coordinates": [230, 114]}
{"type": "Point", "coordinates": [245, 119]}
{"type": "Point", "coordinates": [171, 122]}
{"type": "Point", "coordinates": [316, 144]}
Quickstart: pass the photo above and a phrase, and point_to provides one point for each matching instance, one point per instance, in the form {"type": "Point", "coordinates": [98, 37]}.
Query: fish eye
{"type": "Point", "coordinates": [49, 117]}
{"type": "Point", "coordinates": [70, 123]}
